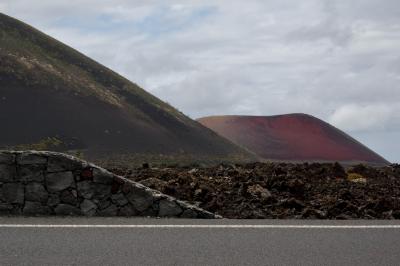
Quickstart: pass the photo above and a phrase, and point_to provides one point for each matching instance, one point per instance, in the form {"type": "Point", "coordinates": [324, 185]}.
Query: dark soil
{"type": "Point", "coordinates": [280, 190]}
{"type": "Point", "coordinates": [77, 98]}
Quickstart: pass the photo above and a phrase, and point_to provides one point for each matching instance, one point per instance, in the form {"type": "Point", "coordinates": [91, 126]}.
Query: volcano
{"type": "Point", "coordinates": [292, 137]}
{"type": "Point", "coordinates": [55, 98]}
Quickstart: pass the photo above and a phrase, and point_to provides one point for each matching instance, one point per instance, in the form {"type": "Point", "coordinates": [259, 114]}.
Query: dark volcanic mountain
{"type": "Point", "coordinates": [295, 137]}
{"type": "Point", "coordinates": [52, 95]}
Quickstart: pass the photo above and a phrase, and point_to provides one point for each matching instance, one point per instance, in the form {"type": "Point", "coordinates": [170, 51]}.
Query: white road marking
{"type": "Point", "coordinates": [210, 226]}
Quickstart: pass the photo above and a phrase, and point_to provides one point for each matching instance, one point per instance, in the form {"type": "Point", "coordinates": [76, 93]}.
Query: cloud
{"type": "Point", "coordinates": [337, 60]}
{"type": "Point", "coordinates": [328, 26]}
{"type": "Point", "coordinates": [365, 118]}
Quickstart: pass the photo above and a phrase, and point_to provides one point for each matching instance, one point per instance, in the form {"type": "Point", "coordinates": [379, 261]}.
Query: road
{"type": "Point", "coordinates": [134, 241]}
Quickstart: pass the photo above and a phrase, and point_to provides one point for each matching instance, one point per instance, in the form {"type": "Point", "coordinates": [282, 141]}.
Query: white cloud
{"type": "Point", "coordinates": [364, 118]}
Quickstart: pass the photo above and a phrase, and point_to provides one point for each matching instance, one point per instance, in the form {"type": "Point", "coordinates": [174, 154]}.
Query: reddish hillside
{"type": "Point", "coordinates": [297, 137]}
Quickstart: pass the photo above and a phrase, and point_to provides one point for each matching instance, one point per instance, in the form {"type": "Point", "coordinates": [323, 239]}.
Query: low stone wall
{"type": "Point", "coordinates": [49, 183]}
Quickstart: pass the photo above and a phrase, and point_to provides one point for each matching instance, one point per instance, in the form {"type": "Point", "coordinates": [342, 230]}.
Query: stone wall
{"type": "Point", "coordinates": [49, 183]}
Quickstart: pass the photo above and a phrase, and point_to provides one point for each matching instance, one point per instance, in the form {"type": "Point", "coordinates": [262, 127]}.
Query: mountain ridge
{"type": "Point", "coordinates": [48, 89]}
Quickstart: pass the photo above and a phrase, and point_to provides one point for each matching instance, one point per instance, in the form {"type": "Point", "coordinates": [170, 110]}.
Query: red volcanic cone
{"type": "Point", "coordinates": [294, 137]}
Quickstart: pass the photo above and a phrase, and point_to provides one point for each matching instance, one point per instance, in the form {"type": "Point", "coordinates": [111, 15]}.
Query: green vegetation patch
{"type": "Point", "coordinates": [49, 143]}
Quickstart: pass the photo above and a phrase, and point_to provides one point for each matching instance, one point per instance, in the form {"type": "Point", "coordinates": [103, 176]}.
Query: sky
{"type": "Point", "coordinates": [338, 60]}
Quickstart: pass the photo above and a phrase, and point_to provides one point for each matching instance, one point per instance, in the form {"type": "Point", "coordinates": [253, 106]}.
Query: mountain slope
{"type": "Point", "coordinates": [50, 91]}
{"type": "Point", "coordinates": [296, 137]}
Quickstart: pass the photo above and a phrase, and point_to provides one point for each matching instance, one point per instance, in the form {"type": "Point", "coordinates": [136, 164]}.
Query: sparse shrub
{"type": "Point", "coordinates": [79, 154]}
{"type": "Point", "coordinates": [48, 143]}
{"type": "Point", "coordinates": [357, 178]}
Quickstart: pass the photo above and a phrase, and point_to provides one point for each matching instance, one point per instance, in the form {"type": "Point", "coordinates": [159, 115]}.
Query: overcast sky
{"type": "Point", "coordinates": [338, 60]}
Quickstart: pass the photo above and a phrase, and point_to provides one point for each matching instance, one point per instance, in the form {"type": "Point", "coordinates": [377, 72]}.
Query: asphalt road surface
{"type": "Point", "coordinates": [119, 241]}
